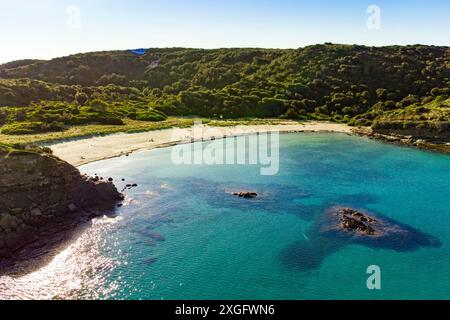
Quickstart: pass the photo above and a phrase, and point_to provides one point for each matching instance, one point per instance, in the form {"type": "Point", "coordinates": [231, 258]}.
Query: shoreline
{"type": "Point", "coordinates": [438, 146]}
{"type": "Point", "coordinates": [85, 151]}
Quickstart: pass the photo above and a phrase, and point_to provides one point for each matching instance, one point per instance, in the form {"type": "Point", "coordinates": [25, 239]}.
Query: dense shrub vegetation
{"type": "Point", "coordinates": [352, 84]}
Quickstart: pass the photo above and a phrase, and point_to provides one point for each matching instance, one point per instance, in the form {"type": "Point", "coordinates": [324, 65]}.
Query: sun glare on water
{"type": "Point", "coordinates": [77, 272]}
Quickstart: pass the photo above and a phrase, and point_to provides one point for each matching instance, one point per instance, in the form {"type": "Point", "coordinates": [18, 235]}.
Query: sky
{"type": "Point", "coordinates": [45, 29]}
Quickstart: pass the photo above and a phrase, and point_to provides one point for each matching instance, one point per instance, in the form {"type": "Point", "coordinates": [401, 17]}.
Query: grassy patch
{"type": "Point", "coordinates": [248, 122]}
{"type": "Point", "coordinates": [131, 126]}
{"type": "Point", "coordinates": [85, 131]}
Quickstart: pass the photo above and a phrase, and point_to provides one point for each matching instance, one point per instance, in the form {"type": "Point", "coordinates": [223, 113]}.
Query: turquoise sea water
{"type": "Point", "coordinates": [181, 235]}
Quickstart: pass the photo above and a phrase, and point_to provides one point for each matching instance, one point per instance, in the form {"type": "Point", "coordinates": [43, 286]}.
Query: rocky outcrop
{"type": "Point", "coordinates": [373, 230]}
{"type": "Point", "coordinates": [427, 130]}
{"type": "Point", "coordinates": [355, 221]}
{"type": "Point", "coordinates": [39, 192]}
{"type": "Point", "coordinates": [339, 227]}
{"type": "Point", "coordinates": [409, 138]}
{"type": "Point", "coordinates": [245, 194]}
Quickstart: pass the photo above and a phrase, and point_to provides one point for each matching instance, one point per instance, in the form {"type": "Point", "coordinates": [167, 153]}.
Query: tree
{"type": "Point", "coordinates": [81, 98]}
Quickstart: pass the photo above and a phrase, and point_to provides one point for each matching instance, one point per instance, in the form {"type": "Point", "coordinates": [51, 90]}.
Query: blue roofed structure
{"type": "Point", "coordinates": [139, 52]}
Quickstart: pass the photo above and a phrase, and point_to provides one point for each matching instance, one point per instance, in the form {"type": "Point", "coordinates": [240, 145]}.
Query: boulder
{"type": "Point", "coordinates": [14, 241]}
{"type": "Point", "coordinates": [355, 221]}
{"type": "Point", "coordinates": [8, 222]}
{"type": "Point", "coordinates": [246, 195]}
{"type": "Point", "coordinates": [36, 212]}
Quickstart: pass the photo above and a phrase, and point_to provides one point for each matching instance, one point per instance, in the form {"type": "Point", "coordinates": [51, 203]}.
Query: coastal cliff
{"type": "Point", "coordinates": [419, 129]}
{"type": "Point", "coordinates": [40, 193]}
{"type": "Point", "coordinates": [422, 138]}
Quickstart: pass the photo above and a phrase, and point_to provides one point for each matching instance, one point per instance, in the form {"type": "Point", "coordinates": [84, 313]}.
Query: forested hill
{"type": "Point", "coordinates": [353, 84]}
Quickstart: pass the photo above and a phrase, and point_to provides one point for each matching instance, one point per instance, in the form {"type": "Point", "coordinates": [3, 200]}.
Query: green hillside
{"type": "Point", "coordinates": [352, 84]}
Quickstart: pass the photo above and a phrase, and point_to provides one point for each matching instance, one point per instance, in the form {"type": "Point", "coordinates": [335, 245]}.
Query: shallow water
{"type": "Point", "coordinates": [181, 235]}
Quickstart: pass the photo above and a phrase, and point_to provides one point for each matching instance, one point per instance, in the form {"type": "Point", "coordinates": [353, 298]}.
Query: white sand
{"type": "Point", "coordinates": [79, 152]}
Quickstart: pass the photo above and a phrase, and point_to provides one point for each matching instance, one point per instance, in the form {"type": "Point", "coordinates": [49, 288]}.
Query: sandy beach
{"type": "Point", "coordinates": [84, 151]}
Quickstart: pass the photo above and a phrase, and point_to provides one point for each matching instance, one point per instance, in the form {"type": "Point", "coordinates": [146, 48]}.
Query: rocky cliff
{"type": "Point", "coordinates": [418, 129]}
{"type": "Point", "coordinates": [424, 138]}
{"type": "Point", "coordinates": [39, 192]}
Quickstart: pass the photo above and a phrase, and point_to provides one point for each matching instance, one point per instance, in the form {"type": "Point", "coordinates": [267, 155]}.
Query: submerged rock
{"type": "Point", "coordinates": [156, 236]}
{"type": "Point", "coordinates": [373, 230]}
{"type": "Point", "coordinates": [150, 261]}
{"type": "Point", "coordinates": [339, 227]}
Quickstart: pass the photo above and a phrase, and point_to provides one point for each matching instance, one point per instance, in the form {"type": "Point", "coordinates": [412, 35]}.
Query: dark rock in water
{"type": "Point", "coordinates": [129, 186]}
{"type": "Point", "coordinates": [150, 261]}
{"type": "Point", "coordinates": [156, 236]}
{"type": "Point", "coordinates": [357, 222]}
{"type": "Point", "coordinates": [246, 195]}
{"type": "Point", "coordinates": [276, 198]}
{"type": "Point", "coordinates": [373, 230]}
{"type": "Point", "coordinates": [149, 243]}
{"type": "Point", "coordinates": [110, 179]}
{"type": "Point", "coordinates": [339, 227]}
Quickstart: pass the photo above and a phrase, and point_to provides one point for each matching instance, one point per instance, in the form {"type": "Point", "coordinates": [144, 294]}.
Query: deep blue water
{"type": "Point", "coordinates": [181, 235]}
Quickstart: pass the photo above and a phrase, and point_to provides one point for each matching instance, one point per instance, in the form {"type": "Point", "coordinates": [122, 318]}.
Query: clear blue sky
{"type": "Point", "coordinates": [45, 29]}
